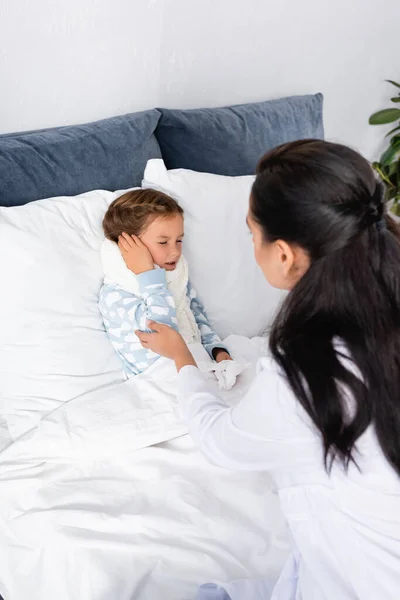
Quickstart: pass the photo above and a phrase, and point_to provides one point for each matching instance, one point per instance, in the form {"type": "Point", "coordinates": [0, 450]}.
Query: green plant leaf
{"type": "Point", "coordinates": [394, 175]}
{"type": "Point", "coordinates": [390, 176]}
{"type": "Point", "coordinates": [393, 130]}
{"type": "Point", "coordinates": [395, 99]}
{"type": "Point", "coordinates": [388, 115]}
{"type": "Point", "coordinates": [390, 153]}
{"type": "Point", "coordinates": [395, 209]}
{"type": "Point", "coordinates": [393, 82]}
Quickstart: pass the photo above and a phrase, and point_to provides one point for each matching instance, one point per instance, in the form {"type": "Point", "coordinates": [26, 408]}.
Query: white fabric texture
{"type": "Point", "coordinates": [345, 527]}
{"type": "Point", "coordinates": [225, 371]}
{"type": "Point", "coordinates": [116, 271]}
{"type": "Point", "coordinates": [53, 346]}
{"type": "Point", "coordinates": [91, 509]}
{"type": "Point", "coordinates": [219, 248]}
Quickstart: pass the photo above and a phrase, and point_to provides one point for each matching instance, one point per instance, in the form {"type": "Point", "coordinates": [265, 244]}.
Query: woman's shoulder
{"type": "Point", "coordinates": [270, 376]}
{"type": "Point", "coordinates": [268, 364]}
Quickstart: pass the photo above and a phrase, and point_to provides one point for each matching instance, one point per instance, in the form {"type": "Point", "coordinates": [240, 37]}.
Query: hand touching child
{"type": "Point", "coordinates": [135, 253]}
{"type": "Point", "coordinates": [148, 227]}
{"type": "Point", "coordinates": [138, 259]}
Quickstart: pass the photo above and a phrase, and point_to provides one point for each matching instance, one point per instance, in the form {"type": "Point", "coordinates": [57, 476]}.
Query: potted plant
{"type": "Point", "coordinates": [388, 166]}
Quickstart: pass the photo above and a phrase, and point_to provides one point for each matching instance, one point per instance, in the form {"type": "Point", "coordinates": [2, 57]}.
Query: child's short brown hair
{"type": "Point", "coordinates": [133, 211]}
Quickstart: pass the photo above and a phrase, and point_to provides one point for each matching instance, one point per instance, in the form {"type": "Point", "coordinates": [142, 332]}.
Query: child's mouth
{"type": "Point", "coordinates": [171, 265]}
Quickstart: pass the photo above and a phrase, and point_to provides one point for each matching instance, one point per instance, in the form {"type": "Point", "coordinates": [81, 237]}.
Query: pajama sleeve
{"type": "Point", "coordinates": [209, 338]}
{"type": "Point", "coordinates": [124, 312]}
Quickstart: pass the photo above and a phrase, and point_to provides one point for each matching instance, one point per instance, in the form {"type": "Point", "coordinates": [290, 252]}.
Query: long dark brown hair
{"type": "Point", "coordinates": [324, 198]}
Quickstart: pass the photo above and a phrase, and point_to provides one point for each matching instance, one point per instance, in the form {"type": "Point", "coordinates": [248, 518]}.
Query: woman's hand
{"type": "Point", "coordinates": [167, 342]}
{"type": "Point", "coordinates": [136, 255]}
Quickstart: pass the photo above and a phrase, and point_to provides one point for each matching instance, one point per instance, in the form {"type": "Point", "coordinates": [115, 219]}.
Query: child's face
{"type": "Point", "coordinates": [164, 237]}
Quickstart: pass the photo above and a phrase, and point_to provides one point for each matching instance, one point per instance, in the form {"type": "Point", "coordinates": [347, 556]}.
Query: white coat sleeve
{"type": "Point", "coordinates": [268, 430]}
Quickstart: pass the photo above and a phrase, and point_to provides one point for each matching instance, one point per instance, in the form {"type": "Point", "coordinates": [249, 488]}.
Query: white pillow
{"type": "Point", "coordinates": [53, 346]}
{"type": "Point", "coordinates": [218, 247]}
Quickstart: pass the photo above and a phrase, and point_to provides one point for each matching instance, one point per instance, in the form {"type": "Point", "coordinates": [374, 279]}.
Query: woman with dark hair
{"type": "Point", "coordinates": [323, 414]}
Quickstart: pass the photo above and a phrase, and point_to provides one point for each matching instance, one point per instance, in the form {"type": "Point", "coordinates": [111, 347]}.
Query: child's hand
{"type": "Point", "coordinates": [136, 255]}
{"type": "Point", "coordinates": [221, 355]}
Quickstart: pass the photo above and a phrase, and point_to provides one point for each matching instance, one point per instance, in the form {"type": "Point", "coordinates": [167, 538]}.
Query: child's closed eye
{"type": "Point", "coordinates": [166, 242]}
{"type": "Point", "coordinates": [177, 241]}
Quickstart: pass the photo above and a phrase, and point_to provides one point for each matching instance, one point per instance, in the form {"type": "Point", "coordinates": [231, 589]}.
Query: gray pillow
{"type": "Point", "coordinates": [66, 161]}
{"type": "Point", "coordinates": [230, 141]}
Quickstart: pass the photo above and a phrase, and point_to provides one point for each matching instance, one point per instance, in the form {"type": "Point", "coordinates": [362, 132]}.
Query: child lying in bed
{"type": "Point", "coordinates": [146, 278]}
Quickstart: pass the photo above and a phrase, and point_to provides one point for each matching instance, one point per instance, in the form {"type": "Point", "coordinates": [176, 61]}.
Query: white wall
{"type": "Point", "coordinates": [70, 61]}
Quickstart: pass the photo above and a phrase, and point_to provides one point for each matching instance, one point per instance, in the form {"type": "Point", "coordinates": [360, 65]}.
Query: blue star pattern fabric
{"type": "Point", "coordinates": [124, 312]}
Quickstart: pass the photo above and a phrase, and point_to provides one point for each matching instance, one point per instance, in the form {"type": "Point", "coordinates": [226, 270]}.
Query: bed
{"type": "Point", "coordinates": [102, 492]}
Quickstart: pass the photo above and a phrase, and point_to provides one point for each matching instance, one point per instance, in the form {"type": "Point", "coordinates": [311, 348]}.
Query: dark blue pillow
{"type": "Point", "coordinates": [66, 161]}
{"type": "Point", "coordinates": [230, 141]}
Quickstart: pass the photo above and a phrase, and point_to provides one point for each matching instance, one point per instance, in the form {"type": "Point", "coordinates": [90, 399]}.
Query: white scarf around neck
{"type": "Point", "coordinates": [116, 272]}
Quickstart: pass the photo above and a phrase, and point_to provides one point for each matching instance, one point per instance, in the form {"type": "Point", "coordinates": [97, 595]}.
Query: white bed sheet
{"type": "Point", "coordinates": [96, 505]}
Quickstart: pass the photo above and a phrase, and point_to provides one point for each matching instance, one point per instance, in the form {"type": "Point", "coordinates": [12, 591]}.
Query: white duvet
{"type": "Point", "coordinates": [107, 499]}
